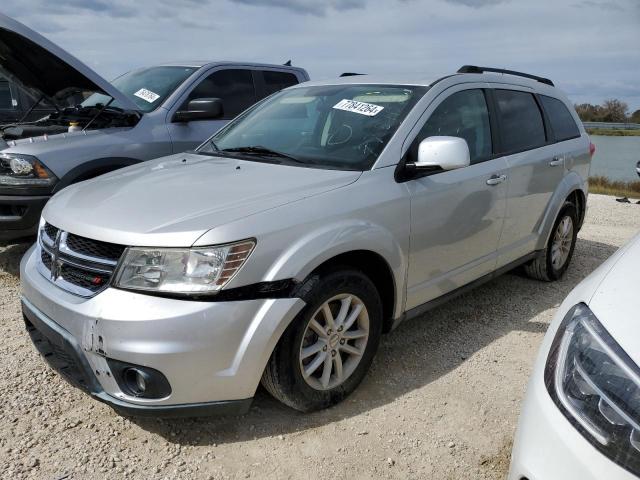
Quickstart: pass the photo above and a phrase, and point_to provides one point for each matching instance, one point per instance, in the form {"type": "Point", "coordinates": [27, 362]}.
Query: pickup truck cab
{"type": "Point", "coordinates": [281, 249]}
{"type": "Point", "coordinates": [99, 126]}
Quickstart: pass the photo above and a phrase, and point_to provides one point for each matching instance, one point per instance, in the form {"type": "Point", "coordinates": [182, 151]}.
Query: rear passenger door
{"type": "Point", "coordinates": [235, 87]}
{"type": "Point", "coordinates": [456, 215]}
{"type": "Point", "coordinates": [534, 169]}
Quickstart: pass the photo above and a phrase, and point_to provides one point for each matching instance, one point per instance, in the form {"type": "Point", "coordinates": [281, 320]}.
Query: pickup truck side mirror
{"type": "Point", "coordinates": [442, 153]}
{"type": "Point", "coordinates": [200, 109]}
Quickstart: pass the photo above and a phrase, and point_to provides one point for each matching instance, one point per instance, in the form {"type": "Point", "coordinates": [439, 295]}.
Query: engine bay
{"type": "Point", "coordinates": [70, 119]}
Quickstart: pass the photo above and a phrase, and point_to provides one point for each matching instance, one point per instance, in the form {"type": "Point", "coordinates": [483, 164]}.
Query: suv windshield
{"type": "Point", "coordinates": [331, 126]}
{"type": "Point", "coordinates": [147, 87]}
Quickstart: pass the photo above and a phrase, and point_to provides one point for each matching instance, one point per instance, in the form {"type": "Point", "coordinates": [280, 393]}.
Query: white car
{"type": "Point", "coordinates": [581, 414]}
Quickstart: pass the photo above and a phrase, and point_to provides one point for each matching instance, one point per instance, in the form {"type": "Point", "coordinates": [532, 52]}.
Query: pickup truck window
{"type": "Point", "coordinates": [234, 86]}
{"type": "Point", "coordinates": [147, 87]}
{"type": "Point", "coordinates": [6, 99]}
{"type": "Point", "coordinates": [276, 81]}
{"type": "Point", "coordinates": [331, 126]}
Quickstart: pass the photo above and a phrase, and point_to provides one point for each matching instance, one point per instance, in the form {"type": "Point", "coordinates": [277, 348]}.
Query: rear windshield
{"type": "Point", "coordinates": [147, 87]}
{"type": "Point", "coordinates": [329, 126]}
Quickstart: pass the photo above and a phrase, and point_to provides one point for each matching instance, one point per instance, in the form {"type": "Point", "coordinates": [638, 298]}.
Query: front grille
{"type": "Point", "coordinates": [77, 264]}
{"type": "Point", "coordinates": [94, 248]}
{"type": "Point", "coordinates": [51, 231]}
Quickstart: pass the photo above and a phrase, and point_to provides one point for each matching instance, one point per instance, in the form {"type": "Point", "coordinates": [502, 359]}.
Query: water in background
{"type": "Point", "coordinates": [616, 157]}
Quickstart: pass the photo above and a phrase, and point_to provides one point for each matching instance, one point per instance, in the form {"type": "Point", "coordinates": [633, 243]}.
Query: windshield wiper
{"type": "Point", "coordinates": [264, 151]}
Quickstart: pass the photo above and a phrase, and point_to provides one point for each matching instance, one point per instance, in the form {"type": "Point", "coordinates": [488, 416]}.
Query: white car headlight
{"type": "Point", "coordinates": [24, 170]}
{"type": "Point", "coordinates": [182, 271]}
{"type": "Point", "coordinates": [596, 385]}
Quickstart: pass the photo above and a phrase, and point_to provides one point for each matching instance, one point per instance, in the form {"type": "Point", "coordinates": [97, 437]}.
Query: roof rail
{"type": "Point", "coordinates": [474, 69]}
{"type": "Point", "coordinates": [351, 74]}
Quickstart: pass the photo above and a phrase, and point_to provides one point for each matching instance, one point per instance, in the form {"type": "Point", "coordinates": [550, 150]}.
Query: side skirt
{"type": "Point", "coordinates": [436, 302]}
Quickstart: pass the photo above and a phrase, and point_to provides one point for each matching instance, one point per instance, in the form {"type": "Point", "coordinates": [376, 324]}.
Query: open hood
{"type": "Point", "coordinates": [42, 68]}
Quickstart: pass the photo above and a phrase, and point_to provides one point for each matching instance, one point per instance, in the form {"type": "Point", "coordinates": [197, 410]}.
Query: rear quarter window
{"type": "Point", "coordinates": [562, 123]}
{"type": "Point", "coordinates": [521, 124]}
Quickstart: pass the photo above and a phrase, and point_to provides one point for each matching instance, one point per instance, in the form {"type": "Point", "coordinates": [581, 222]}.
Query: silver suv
{"type": "Point", "coordinates": [98, 126]}
{"type": "Point", "coordinates": [283, 247]}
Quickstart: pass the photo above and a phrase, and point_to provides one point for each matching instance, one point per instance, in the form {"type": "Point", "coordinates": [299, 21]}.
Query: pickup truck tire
{"type": "Point", "coordinates": [555, 258]}
{"type": "Point", "coordinates": [328, 348]}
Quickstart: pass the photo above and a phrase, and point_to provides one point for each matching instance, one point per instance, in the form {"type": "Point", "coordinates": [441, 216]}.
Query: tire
{"type": "Point", "coordinates": [283, 376]}
{"type": "Point", "coordinates": [547, 267]}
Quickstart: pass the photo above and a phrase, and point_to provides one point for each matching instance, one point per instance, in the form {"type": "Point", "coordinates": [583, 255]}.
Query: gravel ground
{"type": "Point", "coordinates": [441, 401]}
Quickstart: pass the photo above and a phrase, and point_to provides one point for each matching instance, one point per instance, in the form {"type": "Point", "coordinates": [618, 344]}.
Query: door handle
{"type": "Point", "coordinates": [556, 161]}
{"type": "Point", "coordinates": [496, 179]}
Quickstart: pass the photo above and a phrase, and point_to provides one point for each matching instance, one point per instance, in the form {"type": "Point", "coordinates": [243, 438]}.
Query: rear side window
{"type": "Point", "coordinates": [276, 81]}
{"type": "Point", "coordinates": [562, 123]}
{"type": "Point", "coordinates": [521, 122]}
{"type": "Point", "coordinates": [464, 114]}
{"type": "Point", "coordinates": [234, 87]}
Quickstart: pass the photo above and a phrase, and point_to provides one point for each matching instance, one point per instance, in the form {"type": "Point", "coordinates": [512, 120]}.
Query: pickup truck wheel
{"type": "Point", "coordinates": [328, 348]}
{"type": "Point", "coordinates": [555, 259]}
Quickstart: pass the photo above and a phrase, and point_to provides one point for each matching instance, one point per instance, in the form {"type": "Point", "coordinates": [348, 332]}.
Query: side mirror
{"type": "Point", "coordinates": [200, 109]}
{"type": "Point", "coordinates": [446, 153]}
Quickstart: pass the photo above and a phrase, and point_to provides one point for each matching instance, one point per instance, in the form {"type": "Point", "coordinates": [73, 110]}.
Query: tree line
{"type": "Point", "coordinates": [612, 110]}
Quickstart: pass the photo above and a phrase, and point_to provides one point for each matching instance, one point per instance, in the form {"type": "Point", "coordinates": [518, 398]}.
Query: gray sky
{"type": "Point", "coordinates": [590, 48]}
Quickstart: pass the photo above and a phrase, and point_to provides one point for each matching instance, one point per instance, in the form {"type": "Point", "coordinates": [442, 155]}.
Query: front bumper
{"type": "Point", "coordinates": [212, 353]}
{"type": "Point", "coordinates": [19, 216]}
{"type": "Point", "coordinates": [548, 447]}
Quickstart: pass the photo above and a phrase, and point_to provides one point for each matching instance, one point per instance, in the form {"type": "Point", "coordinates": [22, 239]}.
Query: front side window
{"type": "Point", "coordinates": [147, 87]}
{"type": "Point", "coordinates": [562, 123]}
{"type": "Point", "coordinates": [234, 87]}
{"type": "Point", "coordinates": [521, 122]}
{"type": "Point", "coordinates": [330, 126]}
{"type": "Point", "coordinates": [464, 114]}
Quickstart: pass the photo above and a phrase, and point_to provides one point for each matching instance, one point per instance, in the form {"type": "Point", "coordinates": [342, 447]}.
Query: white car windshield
{"type": "Point", "coordinates": [330, 126]}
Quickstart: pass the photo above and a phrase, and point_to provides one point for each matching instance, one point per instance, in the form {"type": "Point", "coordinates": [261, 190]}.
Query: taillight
{"type": "Point", "coordinates": [592, 148]}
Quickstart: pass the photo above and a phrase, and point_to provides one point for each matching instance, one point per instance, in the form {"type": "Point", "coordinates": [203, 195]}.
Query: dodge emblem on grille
{"type": "Point", "coordinates": [56, 264]}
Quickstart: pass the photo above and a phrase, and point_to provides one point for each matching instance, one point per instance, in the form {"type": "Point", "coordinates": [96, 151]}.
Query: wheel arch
{"type": "Point", "coordinates": [92, 169]}
{"type": "Point", "coordinates": [573, 189]}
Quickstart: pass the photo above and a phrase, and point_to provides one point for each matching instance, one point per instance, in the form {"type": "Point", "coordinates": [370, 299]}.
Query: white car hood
{"type": "Point", "coordinates": [172, 201]}
{"type": "Point", "coordinates": [616, 300]}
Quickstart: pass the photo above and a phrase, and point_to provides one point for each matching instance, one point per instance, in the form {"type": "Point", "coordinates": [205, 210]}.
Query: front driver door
{"type": "Point", "coordinates": [236, 89]}
{"type": "Point", "coordinates": [457, 215]}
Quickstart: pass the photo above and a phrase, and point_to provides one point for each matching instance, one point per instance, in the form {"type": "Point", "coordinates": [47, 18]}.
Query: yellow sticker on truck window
{"type": "Point", "coordinates": [363, 108]}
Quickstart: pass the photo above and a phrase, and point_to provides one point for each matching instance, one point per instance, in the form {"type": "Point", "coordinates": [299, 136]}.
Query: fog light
{"type": "Point", "coordinates": [138, 380]}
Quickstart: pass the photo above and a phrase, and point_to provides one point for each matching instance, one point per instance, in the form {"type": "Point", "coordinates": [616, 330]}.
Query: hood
{"type": "Point", "coordinates": [174, 200]}
{"type": "Point", "coordinates": [616, 301]}
{"type": "Point", "coordinates": [42, 68]}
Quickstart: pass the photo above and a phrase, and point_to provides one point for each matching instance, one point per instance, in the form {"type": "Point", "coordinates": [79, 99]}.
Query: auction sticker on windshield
{"type": "Point", "coordinates": [147, 95]}
{"type": "Point", "coordinates": [363, 108]}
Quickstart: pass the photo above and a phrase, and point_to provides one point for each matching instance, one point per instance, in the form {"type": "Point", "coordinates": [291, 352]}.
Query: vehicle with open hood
{"type": "Point", "coordinates": [97, 126]}
{"type": "Point", "coordinates": [281, 249]}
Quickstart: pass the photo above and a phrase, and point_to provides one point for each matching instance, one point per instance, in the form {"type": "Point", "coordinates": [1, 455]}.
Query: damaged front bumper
{"type": "Point", "coordinates": [212, 354]}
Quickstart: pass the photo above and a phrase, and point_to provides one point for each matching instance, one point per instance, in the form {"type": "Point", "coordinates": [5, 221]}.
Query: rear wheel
{"type": "Point", "coordinates": [555, 259]}
{"type": "Point", "coordinates": [326, 351]}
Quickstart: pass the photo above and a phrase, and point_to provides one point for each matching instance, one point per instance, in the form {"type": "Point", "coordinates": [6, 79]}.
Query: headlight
{"type": "Point", "coordinates": [19, 170]}
{"type": "Point", "coordinates": [596, 386]}
{"type": "Point", "coordinates": [187, 271]}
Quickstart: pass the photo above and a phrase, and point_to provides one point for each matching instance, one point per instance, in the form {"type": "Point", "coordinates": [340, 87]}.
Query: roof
{"type": "Point", "coordinates": [205, 63]}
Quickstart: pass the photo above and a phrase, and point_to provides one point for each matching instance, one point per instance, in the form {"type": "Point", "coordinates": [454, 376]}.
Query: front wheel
{"type": "Point", "coordinates": [555, 259]}
{"type": "Point", "coordinates": [328, 348]}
